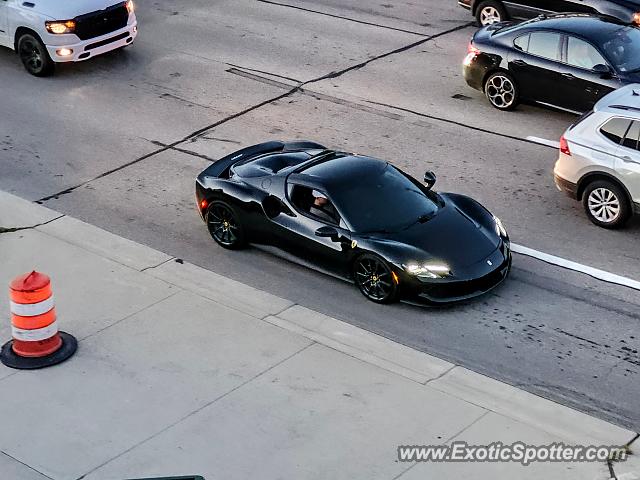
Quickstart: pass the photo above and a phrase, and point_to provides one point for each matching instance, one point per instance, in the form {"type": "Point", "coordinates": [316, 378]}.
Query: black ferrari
{"type": "Point", "coordinates": [357, 217]}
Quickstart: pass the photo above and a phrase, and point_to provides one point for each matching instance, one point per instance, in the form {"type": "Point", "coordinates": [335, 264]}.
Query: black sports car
{"type": "Point", "coordinates": [565, 61]}
{"type": "Point", "coordinates": [357, 217]}
{"type": "Point", "coordinates": [488, 12]}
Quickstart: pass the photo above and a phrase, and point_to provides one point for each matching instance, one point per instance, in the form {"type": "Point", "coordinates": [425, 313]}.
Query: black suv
{"type": "Point", "coordinates": [493, 11]}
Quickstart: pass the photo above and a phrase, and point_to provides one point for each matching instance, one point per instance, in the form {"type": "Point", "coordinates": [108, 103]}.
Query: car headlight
{"type": "Point", "coordinates": [60, 27]}
{"type": "Point", "coordinates": [427, 270]}
{"type": "Point", "coordinates": [130, 6]}
{"type": "Point", "coordinates": [636, 18]}
{"type": "Point", "coordinates": [500, 230]}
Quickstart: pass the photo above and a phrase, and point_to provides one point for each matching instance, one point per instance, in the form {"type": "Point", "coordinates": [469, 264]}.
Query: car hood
{"type": "Point", "coordinates": [453, 236]}
{"type": "Point", "coordinates": [66, 10]}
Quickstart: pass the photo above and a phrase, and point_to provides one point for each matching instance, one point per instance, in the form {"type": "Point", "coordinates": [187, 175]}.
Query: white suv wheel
{"type": "Point", "coordinates": [604, 205]}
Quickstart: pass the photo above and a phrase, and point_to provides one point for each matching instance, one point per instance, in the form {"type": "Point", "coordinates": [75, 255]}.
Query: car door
{"type": "Point", "coordinates": [586, 75]}
{"type": "Point", "coordinates": [4, 22]}
{"type": "Point", "coordinates": [297, 234]}
{"type": "Point", "coordinates": [534, 62]}
{"type": "Point", "coordinates": [627, 163]}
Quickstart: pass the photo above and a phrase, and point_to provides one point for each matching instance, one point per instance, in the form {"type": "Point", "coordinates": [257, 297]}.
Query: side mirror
{"type": "Point", "coordinates": [603, 70]}
{"type": "Point", "coordinates": [429, 179]}
{"type": "Point", "coordinates": [328, 232]}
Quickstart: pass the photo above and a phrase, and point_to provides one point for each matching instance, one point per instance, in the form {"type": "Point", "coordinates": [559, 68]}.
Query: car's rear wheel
{"type": "Point", "coordinates": [490, 12]}
{"type": "Point", "coordinates": [224, 226]}
{"type": "Point", "coordinates": [375, 279]}
{"type": "Point", "coordinates": [606, 204]}
{"type": "Point", "coordinates": [501, 90]}
{"type": "Point", "coordinates": [34, 56]}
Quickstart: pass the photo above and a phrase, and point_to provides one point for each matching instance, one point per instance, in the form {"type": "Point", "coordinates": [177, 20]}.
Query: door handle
{"type": "Point", "coordinates": [627, 159]}
{"type": "Point", "coordinates": [568, 76]}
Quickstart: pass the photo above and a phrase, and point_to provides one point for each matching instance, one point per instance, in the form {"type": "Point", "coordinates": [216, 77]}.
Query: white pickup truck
{"type": "Point", "coordinates": [46, 32]}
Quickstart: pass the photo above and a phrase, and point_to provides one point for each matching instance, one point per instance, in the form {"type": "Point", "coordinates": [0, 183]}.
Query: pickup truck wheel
{"type": "Point", "coordinates": [34, 56]}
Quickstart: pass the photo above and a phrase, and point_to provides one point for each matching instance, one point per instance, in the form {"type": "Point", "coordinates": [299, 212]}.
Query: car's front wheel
{"type": "Point", "coordinates": [375, 279]}
{"type": "Point", "coordinates": [606, 204]}
{"type": "Point", "coordinates": [490, 12]}
{"type": "Point", "coordinates": [224, 226]}
{"type": "Point", "coordinates": [501, 90]}
{"type": "Point", "coordinates": [34, 56]}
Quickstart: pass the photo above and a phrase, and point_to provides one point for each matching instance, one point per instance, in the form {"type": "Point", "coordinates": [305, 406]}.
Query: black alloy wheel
{"type": "Point", "coordinates": [34, 56]}
{"type": "Point", "coordinates": [375, 279]}
{"type": "Point", "coordinates": [224, 227]}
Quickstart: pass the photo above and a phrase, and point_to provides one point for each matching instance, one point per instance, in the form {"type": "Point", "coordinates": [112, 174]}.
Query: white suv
{"type": "Point", "coordinates": [599, 161]}
{"type": "Point", "coordinates": [46, 32]}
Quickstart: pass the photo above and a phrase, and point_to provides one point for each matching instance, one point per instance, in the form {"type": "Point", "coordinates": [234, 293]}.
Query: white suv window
{"type": "Point", "coordinates": [631, 139]}
{"type": "Point", "coordinates": [615, 129]}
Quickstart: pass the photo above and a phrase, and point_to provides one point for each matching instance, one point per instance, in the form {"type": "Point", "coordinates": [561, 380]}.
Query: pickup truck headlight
{"type": "Point", "coordinates": [60, 27]}
{"type": "Point", "coordinates": [130, 6]}
{"type": "Point", "coordinates": [428, 270]}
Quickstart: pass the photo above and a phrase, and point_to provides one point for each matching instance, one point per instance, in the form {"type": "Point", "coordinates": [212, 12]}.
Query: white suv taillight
{"type": "Point", "coordinates": [564, 146]}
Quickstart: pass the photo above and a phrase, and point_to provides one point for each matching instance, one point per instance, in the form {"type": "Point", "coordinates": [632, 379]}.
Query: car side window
{"type": "Point", "coordinates": [615, 129]}
{"type": "Point", "coordinates": [545, 44]}
{"type": "Point", "coordinates": [582, 54]}
{"type": "Point", "coordinates": [522, 43]}
{"type": "Point", "coordinates": [314, 203]}
{"type": "Point", "coordinates": [631, 138]}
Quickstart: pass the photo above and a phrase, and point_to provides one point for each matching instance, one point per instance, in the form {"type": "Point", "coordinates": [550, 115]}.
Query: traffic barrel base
{"type": "Point", "coordinates": [12, 360]}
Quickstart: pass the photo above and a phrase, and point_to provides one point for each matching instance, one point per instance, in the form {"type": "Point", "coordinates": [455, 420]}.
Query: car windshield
{"type": "Point", "coordinates": [387, 201]}
{"type": "Point", "coordinates": [622, 48]}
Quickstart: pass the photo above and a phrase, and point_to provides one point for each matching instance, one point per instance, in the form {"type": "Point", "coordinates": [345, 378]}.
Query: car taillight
{"type": "Point", "coordinates": [564, 146]}
{"type": "Point", "coordinates": [472, 53]}
{"type": "Point", "coordinates": [636, 18]}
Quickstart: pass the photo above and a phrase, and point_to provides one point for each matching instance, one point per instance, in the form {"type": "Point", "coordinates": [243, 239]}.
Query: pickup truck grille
{"type": "Point", "coordinates": [99, 23]}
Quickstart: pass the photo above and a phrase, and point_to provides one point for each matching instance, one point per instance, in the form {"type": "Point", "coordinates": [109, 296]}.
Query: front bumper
{"type": "Point", "coordinates": [444, 291]}
{"type": "Point", "coordinates": [85, 49]}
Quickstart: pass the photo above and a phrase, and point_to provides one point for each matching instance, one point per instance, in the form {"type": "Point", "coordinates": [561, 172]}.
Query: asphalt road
{"type": "Point", "coordinates": [117, 142]}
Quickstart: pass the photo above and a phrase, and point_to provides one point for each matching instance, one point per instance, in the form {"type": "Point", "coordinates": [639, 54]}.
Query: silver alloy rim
{"type": "Point", "coordinates": [604, 205]}
{"type": "Point", "coordinates": [500, 91]}
{"type": "Point", "coordinates": [489, 16]}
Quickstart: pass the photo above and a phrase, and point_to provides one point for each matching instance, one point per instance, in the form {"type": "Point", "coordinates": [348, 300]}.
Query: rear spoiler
{"type": "Point", "coordinates": [220, 166]}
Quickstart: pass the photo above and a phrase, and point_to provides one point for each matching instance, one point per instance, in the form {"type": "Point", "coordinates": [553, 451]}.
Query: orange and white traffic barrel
{"type": "Point", "coordinates": [36, 342]}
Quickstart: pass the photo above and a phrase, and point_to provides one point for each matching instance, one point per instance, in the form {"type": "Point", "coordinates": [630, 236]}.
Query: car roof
{"type": "Point", "coordinates": [340, 169]}
{"type": "Point", "coordinates": [586, 25]}
{"type": "Point", "coordinates": [625, 99]}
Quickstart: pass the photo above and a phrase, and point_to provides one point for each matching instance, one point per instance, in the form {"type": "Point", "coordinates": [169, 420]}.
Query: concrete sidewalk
{"type": "Point", "coordinates": [181, 371]}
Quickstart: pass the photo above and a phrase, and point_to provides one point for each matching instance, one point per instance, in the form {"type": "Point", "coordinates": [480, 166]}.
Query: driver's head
{"type": "Point", "coordinates": [319, 200]}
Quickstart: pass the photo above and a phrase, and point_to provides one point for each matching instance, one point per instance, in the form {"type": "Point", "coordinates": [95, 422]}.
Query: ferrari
{"type": "Point", "coordinates": [356, 217]}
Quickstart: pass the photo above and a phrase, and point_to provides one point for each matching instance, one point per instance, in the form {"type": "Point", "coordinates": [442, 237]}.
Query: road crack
{"type": "Point", "coordinates": [294, 89]}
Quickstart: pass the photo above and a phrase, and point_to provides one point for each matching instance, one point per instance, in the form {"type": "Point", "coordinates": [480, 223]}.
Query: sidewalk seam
{"type": "Point", "coordinates": [131, 315]}
{"type": "Point", "coordinates": [31, 227]}
{"type": "Point", "coordinates": [450, 439]}
{"type": "Point", "coordinates": [25, 464]}
{"type": "Point", "coordinates": [197, 410]}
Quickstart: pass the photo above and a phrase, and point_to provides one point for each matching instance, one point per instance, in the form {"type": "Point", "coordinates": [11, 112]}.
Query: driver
{"type": "Point", "coordinates": [322, 207]}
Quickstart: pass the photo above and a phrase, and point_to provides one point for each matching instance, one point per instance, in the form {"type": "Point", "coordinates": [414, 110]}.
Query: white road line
{"type": "Point", "coordinates": [544, 141]}
{"type": "Point", "coordinates": [577, 267]}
